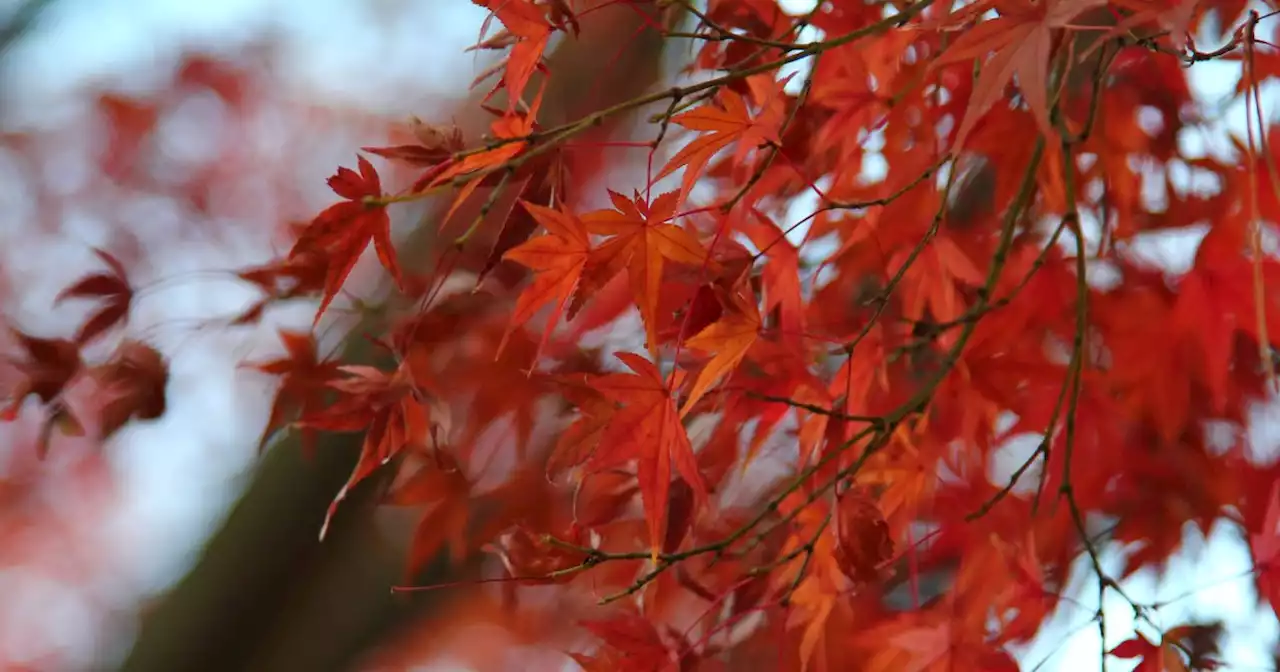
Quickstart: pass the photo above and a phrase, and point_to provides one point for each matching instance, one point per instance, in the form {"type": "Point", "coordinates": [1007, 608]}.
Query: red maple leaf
{"type": "Point", "coordinates": [434, 146]}
{"type": "Point", "coordinates": [631, 643]}
{"type": "Point", "coordinates": [1021, 38]}
{"type": "Point", "coordinates": [577, 442]}
{"type": "Point", "coordinates": [533, 559]}
{"type": "Point", "coordinates": [391, 408]}
{"type": "Point", "coordinates": [343, 231]}
{"type": "Point", "coordinates": [304, 380]}
{"type": "Point", "coordinates": [863, 541]}
{"type": "Point", "coordinates": [441, 485]}
{"type": "Point", "coordinates": [1152, 657]}
{"type": "Point", "coordinates": [558, 258]}
{"type": "Point", "coordinates": [133, 386]}
{"type": "Point", "coordinates": [930, 281]}
{"type": "Point", "coordinates": [780, 276]}
{"type": "Point", "coordinates": [528, 33]}
{"type": "Point", "coordinates": [935, 646]}
{"type": "Point", "coordinates": [647, 428]}
{"type": "Point", "coordinates": [114, 290]}
{"type": "Point", "coordinates": [295, 276]}
{"type": "Point", "coordinates": [510, 137]}
{"type": "Point", "coordinates": [50, 366]}
{"type": "Point", "coordinates": [1265, 546]}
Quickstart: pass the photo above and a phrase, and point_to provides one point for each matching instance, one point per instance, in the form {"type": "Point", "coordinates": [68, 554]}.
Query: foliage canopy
{"type": "Point", "coordinates": [682, 426]}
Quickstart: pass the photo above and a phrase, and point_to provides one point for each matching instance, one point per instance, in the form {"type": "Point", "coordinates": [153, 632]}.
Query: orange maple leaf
{"type": "Point", "coordinates": [815, 599]}
{"type": "Point", "coordinates": [647, 428]}
{"type": "Point", "coordinates": [723, 123]}
{"type": "Point", "coordinates": [529, 33]}
{"type": "Point", "coordinates": [558, 258]}
{"type": "Point", "coordinates": [729, 338]}
{"type": "Point", "coordinates": [902, 474]}
{"type": "Point", "coordinates": [641, 239]}
{"type": "Point", "coordinates": [344, 230]}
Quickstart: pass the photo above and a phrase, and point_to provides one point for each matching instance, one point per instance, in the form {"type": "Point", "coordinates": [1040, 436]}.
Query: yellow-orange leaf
{"type": "Point", "coordinates": [730, 338]}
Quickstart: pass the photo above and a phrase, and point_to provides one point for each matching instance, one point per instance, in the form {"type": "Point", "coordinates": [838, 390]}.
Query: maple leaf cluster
{"type": "Point", "coordinates": [131, 384]}
{"type": "Point", "coordinates": [793, 444]}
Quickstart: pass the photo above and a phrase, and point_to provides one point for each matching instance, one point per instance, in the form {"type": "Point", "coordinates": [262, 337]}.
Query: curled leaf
{"type": "Point", "coordinates": [863, 542]}
{"type": "Point", "coordinates": [133, 384]}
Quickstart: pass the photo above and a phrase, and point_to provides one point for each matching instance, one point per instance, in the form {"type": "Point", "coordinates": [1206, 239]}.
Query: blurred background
{"type": "Point", "coordinates": [183, 136]}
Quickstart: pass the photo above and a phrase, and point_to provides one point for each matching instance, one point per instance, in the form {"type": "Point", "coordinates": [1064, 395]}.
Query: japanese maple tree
{"type": "Point", "coordinates": [732, 414]}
